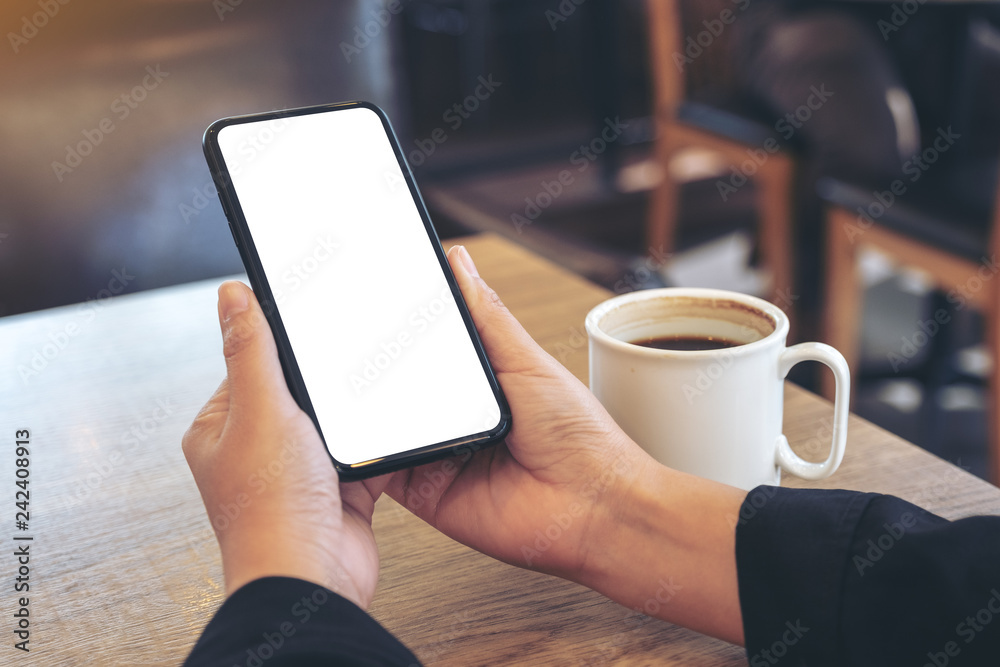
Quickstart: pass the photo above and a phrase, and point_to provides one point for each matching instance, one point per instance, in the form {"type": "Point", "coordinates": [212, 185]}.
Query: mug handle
{"type": "Point", "coordinates": [825, 354]}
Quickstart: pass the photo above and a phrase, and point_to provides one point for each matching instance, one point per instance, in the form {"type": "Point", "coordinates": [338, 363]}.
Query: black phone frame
{"type": "Point", "coordinates": [261, 287]}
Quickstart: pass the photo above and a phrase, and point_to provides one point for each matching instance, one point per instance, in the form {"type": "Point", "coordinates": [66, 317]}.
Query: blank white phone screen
{"type": "Point", "coordinates": [382, 348]}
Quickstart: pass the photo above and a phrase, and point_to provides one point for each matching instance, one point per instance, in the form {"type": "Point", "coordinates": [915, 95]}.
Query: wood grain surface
{"type": "Point", "coordinates": [124, 566]}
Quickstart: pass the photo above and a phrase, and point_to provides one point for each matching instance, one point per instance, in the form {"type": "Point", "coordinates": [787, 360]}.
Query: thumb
{"type": "Point", "coordinates": [255, 376]}
{"type": "Point", "coordinates": [508, 345]}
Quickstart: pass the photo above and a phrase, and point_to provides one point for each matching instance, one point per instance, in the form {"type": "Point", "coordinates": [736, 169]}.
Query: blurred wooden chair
{"type": "Point", "coordinates": [698, 139]}
{"type": "Point", "coordinates": [945, 223]}
{"type": "Point", "coordinates": [957, 251]}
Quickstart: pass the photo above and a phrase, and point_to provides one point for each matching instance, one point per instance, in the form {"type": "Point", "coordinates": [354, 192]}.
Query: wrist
{"type": "Point", "coordinates": [246, 560]}
{"type": "Point", "coordinates": [665, 545]}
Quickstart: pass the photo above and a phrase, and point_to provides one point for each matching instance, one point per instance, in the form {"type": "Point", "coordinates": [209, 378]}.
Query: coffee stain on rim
{"type": "Point", "coordinates": [698, 305]}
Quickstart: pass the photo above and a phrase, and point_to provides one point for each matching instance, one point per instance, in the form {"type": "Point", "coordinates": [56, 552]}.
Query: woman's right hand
{"type": "Point", "coordinates": [570, 494]}
{"type": "Point", "coordinates": [534, 500]}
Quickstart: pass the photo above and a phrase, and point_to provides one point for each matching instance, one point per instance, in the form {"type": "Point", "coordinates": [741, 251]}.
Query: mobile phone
{"type": "Point", "coordinates": [375, 341]}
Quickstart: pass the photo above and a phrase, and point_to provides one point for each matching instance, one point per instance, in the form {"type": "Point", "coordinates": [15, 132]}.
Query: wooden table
{"type": "Point", "coordinates": [124, 566]}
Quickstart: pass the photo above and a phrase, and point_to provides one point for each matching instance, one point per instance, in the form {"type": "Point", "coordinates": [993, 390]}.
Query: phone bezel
{"type": "Point", "coordinates": [261, 286]}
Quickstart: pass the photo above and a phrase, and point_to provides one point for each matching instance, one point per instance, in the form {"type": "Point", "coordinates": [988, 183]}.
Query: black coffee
{"type": "Point", "coordinates": [686, 343]}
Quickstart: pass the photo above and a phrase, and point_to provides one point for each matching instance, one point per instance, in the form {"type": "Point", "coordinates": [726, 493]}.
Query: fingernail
{"type": "Point", "coordinates": [233, 300]}
{"type": "Point", "coordinates": [467, 262]}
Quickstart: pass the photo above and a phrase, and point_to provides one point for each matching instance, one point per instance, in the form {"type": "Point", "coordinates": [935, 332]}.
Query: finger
{"type": "Point", "coordinates": [254, 372]}
{"type": "Point", "coordinates": [507, 344]}
{"type": "Point", "coordinates": [361, 496]}
{"type": "Point", "coordinates": [420, 489]}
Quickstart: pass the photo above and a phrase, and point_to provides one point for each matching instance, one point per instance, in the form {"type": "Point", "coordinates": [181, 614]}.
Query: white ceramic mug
{"type": "Point", "coordinates": [713, 413]}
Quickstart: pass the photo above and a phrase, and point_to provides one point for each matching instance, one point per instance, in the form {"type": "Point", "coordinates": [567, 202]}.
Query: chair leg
{"type": "Point", "coordinates": [774, 183]}
{"type": "Point", "coordinates": [937, 372]}
{"type": "Point", "coordinates": [843, 294]}
{"type": "Point", "coordinates": [992, 317]}
{"type": "Point", "coordinates": [661, 222]}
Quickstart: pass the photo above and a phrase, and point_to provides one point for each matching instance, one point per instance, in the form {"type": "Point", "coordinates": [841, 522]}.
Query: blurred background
{"type": "Point", "coordinates": [836, 157]}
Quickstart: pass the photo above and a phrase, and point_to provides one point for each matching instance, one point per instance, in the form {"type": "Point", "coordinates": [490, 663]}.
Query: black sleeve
{"type": "Point", "coordinates": [279, 621]}
{"type": "Point", "coordinates": [842, 578]}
